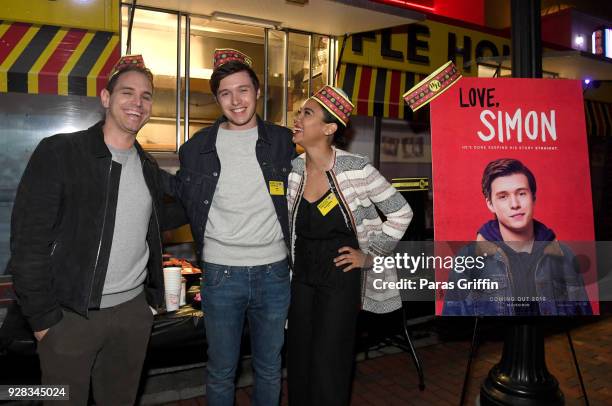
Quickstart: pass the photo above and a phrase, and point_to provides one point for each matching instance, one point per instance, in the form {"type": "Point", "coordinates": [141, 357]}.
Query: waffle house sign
{"type": "Point", "coordinates": [423, 46]}
{"type": "Point", "coordinates": [378, 67]}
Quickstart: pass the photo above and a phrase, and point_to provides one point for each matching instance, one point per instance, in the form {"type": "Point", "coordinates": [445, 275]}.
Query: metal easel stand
{"type": "Point", "coordinates": [405, 343]}
{"type": "Point", "coordinates": [582, 387]}
{"type": "Point", "coordinates": [473, 349]}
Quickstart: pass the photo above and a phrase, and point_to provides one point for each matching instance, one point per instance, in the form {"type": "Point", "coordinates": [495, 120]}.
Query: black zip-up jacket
{"type": "Point", "coordinates": [63, 222]}
{"type": "Point", "coordinates": [196, 181]}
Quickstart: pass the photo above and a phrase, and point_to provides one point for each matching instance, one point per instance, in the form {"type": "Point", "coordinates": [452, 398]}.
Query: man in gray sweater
{"type": "Point", "coordinates": [233, 182]}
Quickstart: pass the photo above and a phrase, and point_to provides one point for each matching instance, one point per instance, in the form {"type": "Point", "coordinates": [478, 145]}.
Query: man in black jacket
{"type": "Point", "coordinates": [86, 246]}
{"type": "Point", "coordinates": [232, 182]}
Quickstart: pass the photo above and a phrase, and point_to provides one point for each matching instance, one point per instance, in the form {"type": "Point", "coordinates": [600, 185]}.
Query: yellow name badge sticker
{"type": "Point", "coordinates": [277, 188]}
{"type": "Point", "coordinates": [327, 204]}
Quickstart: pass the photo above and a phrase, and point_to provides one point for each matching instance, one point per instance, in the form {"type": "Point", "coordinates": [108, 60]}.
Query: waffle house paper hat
{"type": "Point", "coordinates": [336, 102]}
{"type": "Point", "coordinates": [432, 86]}
{"type": "Point", "coordinates": [128, 61]}
{"type": "Point", "coordinates": [225, 55]}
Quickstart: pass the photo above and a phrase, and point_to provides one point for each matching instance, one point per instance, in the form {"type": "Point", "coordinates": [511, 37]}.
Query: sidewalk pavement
{"type": "Point", "coordinates": [392, 379]}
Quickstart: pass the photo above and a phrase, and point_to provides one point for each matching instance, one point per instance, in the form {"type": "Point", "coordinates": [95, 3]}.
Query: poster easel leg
{"type": "Point", "coordinates": [571, 344]}
{"type": "Point", "coordinates": [473, 347]}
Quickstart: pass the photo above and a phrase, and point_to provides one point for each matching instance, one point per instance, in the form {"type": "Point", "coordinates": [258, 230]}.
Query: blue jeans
{"type": "Point", "coordinates": [229, 293]}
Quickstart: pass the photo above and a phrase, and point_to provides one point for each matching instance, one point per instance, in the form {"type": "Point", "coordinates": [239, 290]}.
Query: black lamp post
{"type": "Point", "coordinates": [521, 377]}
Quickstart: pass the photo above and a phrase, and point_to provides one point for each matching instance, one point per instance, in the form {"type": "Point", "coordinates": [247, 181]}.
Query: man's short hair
{"type": "Point", "coordinates": [230, 68]}
{"type": "Point", "coordinates": [505, 167]}
{"type": "Point", "coordinates": [110, 86]}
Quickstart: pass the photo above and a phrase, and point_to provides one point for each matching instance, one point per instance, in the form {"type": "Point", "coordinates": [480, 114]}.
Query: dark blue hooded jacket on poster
{"type": "Point", "coordinates": [546, 281]}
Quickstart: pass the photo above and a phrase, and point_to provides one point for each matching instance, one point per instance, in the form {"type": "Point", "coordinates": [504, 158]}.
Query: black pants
{"type": "Point", "coordinates": [107, 349]}
{"type": "Point", "coordinates": [321, 340]}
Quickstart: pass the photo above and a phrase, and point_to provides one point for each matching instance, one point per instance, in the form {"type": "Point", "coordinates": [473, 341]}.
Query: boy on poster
{"type": "Point", "coordinates": [497, 144]}
{"type": "Point", "coordinates": [525, 271]}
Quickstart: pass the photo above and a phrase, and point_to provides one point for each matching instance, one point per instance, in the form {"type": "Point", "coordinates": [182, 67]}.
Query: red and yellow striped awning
{"type": "Point", "coordinates": [378, 91]}
{"type": "Point", "coordinates": [598, 118]}
{"type": "Point", "coordinates": [55, 60]}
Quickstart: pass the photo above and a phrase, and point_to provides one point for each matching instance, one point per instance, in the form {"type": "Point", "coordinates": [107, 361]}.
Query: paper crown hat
{"type": "Point", "coordinates": [432, 86]}
{"type": "Point", "coordinates": [128, 61]}
{"type": "Point", "coordinates": [336, 102]}
{"type": "Point", "coordinates": [225, 55]}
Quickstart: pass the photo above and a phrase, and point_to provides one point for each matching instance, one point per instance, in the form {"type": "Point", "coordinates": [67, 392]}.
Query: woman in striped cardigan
{"type": "Point", "coordinates": [335, 232]}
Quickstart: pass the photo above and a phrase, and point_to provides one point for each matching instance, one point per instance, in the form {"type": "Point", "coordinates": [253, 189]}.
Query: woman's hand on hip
{"type": "Point", "coordinates": [351, 258]}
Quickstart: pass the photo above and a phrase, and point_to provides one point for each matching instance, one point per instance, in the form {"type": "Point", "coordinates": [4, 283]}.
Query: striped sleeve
{"type": "Point", "coordinates": [393, 205]}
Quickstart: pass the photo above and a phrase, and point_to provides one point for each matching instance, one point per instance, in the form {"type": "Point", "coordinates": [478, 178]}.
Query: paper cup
{"type": "Point", "coordinates": [172, 284]}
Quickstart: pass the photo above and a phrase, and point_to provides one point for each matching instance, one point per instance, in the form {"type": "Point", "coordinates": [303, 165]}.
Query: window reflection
{"type": "Point", "coordinates": [276, 76]}
{"type": "Point", "coordinates": [320, 61]}
{"type": "Point", "coordinates": [154, 36]}
{"type": "Point", "coordinates": [299, 67]}
{"type": "Point", "coordinates": [206, 35]}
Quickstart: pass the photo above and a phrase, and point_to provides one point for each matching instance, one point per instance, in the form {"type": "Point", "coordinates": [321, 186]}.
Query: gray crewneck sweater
{"type": "Point", "coordinates": [127, 265]}
{"type": "Point", "coordinates": [242, 227]}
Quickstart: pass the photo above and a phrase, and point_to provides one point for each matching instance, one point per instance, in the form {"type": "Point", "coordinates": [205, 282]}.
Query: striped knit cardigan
{"type": "Point", "coordinates": [358, 186]}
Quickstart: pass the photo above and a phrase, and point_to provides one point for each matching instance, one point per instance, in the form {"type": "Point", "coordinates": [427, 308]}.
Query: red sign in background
{"type": "Point", "coordinates": [537, 121]}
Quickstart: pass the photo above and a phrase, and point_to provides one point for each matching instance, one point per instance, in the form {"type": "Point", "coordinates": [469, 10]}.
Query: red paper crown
{"type": "Point", "coordinates": [128, 61]}
{"type": "Point", "coordinates": [225, 55]}
{"type": "Point", "coordinates": [432, 86]}
{"type": "Point", "coordinates": [336, 102]}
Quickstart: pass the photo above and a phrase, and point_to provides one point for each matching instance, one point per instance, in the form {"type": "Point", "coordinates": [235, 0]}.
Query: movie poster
{"type": "Point", "coordinates": [510, 160]}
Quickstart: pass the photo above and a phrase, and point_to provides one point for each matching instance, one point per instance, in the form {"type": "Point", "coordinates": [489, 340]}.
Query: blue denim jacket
{"type": "Point", "coordinates": [559, 285]}
{"type": "Point", "coordinates": [196, 181]}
